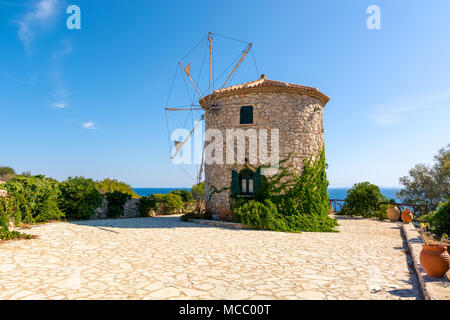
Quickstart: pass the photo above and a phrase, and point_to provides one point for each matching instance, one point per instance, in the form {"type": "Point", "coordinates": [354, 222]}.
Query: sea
{"type": "Point", "coordinates": [334, 193]}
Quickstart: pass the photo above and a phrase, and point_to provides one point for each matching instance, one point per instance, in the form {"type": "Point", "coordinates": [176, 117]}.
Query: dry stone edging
{"type": "Point", "coordinates": [432, 288]}
{"type": "Point", "coordinates": [218, 223]}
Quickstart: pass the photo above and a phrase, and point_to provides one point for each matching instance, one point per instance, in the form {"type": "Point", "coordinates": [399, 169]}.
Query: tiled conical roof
{"type": "Point", "coordinates": [266, 85]}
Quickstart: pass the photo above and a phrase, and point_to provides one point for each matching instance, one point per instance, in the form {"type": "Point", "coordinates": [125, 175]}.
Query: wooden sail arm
{"type": "Point", "coordinates": [179, 145]}
{"type": "Point", "coordinates": [184, 109]}
{"type": "Point", "coordinates": [188, 74]}
{"type": "Point", "coordinates": [244, 53]}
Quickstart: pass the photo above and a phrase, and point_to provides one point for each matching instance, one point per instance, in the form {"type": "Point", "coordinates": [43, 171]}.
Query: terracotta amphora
{"type": "Point", "coordinates": [407, 216]}
{"type": "Point", "coordinates": [435, 260]}
{"type": "Point", "coordinates": [393, 213]}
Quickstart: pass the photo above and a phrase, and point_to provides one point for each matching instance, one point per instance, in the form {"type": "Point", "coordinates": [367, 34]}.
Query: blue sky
{"type": "Point", "coordinates": [90, 102]}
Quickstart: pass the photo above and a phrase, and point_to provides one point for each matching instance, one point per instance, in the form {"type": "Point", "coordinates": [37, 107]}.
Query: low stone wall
{"type": "Point", "coordinates": [130, 210]}
{"type": "Point", "coordinates": [432, 288]}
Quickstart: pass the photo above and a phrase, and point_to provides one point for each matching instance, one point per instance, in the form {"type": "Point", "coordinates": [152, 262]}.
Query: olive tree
{"type": "Point", "coordinates": [428, 185]}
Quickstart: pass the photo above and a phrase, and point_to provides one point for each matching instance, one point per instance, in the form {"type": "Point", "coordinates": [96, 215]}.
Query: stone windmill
{"type": "Point", "coordinates": [291, 112]}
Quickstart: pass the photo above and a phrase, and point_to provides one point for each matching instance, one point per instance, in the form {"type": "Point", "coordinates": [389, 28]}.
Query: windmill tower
{"type": "Point", "coordinates": [295, 111]}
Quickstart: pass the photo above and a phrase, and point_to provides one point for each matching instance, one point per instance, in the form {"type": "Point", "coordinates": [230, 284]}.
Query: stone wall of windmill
{"type": "Point", "coordinates": [298, 117]}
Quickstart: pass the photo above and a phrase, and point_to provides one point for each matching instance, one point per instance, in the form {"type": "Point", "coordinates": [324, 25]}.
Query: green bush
{"type": "Point", "coordinates": [381, 213]}
{"type": "Point", "coordinates": [439, 220]}
{"type": "Point", "coordinates": [146, 205]}
{"type": "Point", "coordinates": [6, 210]}
{"type": "Point", "coordinates": [260, 215]}
{"type": "Point", "coordinates": [79, 198]}
{"type": "Point", "coordinates": [363, 199]}
{"type": "Point", "coordinates": [6, 170]}
{"type": "Point", "coordinates": [33, 199]}
{"type": "Point", "coordinates": [110, 185]}
{"type": "Point", "coordinates": [5, 234]}
{"type": "Point", "coordinates": [169, 203]}
{"type": "Point", "coordinates": [196, 215]}
{"type": "Point", "coordinates": [288, 201]}
{"type": "Point", "coordinates": [6, 173]}
{"type": "Point", "coordinates": [116, 203]}
{"type": "Point", "coordinates": [198, 190]}
{"type": "Point", "coordinates": [186, 196]}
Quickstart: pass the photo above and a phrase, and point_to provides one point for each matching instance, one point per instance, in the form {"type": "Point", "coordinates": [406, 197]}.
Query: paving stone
{"type": "Point", "coordinates": [165, 258]}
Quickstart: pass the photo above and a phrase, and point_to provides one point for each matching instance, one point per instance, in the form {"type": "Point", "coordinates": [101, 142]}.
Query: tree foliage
{"type": "Point", "coordinates": [79, 198]}
{"type": "Point", "coordinates": [428, 185]}
{"type": "Point", "coordinates": [169, 203]}
{"type": "Point", "coordinates": [198, 190]}
{"type": "Point", "coordinates": [364, 199]}
{"type": "Point", "coordinates": [116, 203]}
{"type": "Point", "coordinates": [6, 173]}
{"type": "Point", "coordinates": [147, 205]}
{"type": "Point", "coordinates": [33, 199]}
{"type": "Point", "coordinates": [6, 170]}
{"type": "Point", "coordinates": [186, 196]}
{"type": "Point", "coordinates": [439, 220]}
{"type": "Point", "coordinates": [111, 185]}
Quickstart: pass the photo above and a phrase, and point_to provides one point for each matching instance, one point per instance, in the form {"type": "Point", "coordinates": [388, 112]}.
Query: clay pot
{"type": "Point", "coordinates": [407, 216]}
{"type": "Point", "coordinates": [393, 213]}
{"type": "Point", "coordinates": [435, 260]}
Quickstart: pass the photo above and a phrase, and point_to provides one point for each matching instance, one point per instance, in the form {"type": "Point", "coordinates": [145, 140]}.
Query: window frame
{"type": "Point", "coordinates": [243, 114]}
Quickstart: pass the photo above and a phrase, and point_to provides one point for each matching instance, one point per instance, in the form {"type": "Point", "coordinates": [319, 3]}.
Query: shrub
{"type": "Point", "coordinates": [259, 215]}
{"type": "Point", "coordinates": [5, 214]}
{"type": "Point", "coordinates": [146, 205]}
{"type": "Point", "coordinates": [110, 185]}
{"type": "Point", "coordinates": [169, 203]}
{"type": "Point", "coordinates": [79, 198]}
{"type": "Point", "coordinates": [6, 210]}
{"type": "Point", "coordinates": [6, 173]}
{"type": "Point", "coordinates": [439, 220]}
{"type": "Point", "coordinates": [6, 170]}
{"type": "Point", "coordinates": [5, 234]}
{"type": "Point", "coordinates": [198, 192]}
{"type": "Point", "coordinates": [116, 203]}
{"type": "Point", "coordinates": [381, 213]}
{"type": "Point", "coordinates": [33, 199]}
{"type": "Point", "coordinates": [363, 199]}
{"type": "Point", "coordinates": [196, 215]}
{"type": "Point", "coordinates": [186, 196]}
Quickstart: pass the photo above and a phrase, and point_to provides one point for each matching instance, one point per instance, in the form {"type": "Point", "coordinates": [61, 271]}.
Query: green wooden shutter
{"type": "Point", "coordinates": [257, 181]}
{"type": "Point", "coordinates": [234, 183]}
{"type": "Point", "coordinates": [246, 115]}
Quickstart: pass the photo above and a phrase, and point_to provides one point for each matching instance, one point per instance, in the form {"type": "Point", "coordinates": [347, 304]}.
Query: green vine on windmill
{"type": "Point", "coordinates": [288, 201]}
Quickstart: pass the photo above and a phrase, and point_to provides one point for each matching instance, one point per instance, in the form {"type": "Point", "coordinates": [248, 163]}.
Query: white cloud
{"type": "Point", "coordinates": [59, 105]}
{"type": "Point", "coordinates": [394, 110]}
{"type": "Point", "coordinates": [60, 92]}
{"type": "Point", "coordinates": [89, 125]}
{"type": "Point", "coordinates": [39, 16]}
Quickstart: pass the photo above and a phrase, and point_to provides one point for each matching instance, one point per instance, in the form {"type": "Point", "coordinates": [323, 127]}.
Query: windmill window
{"type": "Point", "coordinates": [246, 115]}
{"type": "Point", "coordinates": [246, 179]}
{"type": "Point", "coordinates": [246, 182]}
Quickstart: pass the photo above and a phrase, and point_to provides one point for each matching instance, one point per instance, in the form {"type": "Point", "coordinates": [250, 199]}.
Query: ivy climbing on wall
{"type": "Point", "coordinates": [289, 201]}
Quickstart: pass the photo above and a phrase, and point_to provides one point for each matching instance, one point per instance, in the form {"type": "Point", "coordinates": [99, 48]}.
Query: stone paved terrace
{"type": "Point", "coordinates": [164, 258]}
